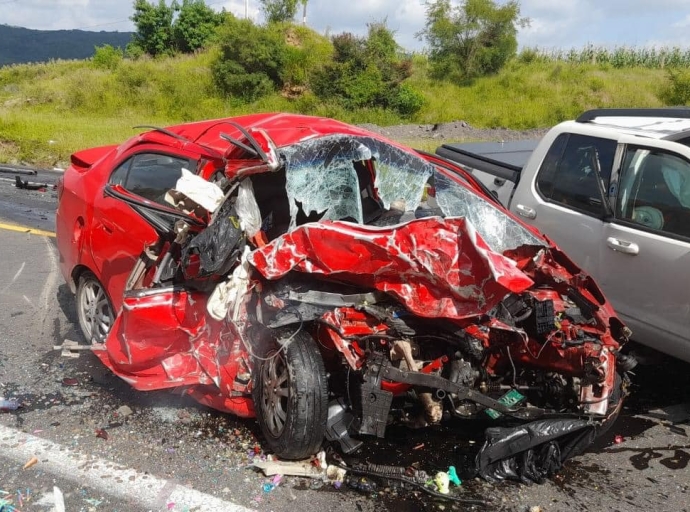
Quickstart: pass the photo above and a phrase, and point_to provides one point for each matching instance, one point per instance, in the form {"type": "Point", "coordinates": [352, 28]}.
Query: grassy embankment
{"type": "Point", "coordinates": [49, 110]}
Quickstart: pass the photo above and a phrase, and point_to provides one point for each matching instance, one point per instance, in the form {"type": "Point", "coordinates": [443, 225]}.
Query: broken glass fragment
{"type": "Point", "coordinates": [498, 230]}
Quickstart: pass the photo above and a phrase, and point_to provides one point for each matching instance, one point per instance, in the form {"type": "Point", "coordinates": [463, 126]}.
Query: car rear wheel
{"type": "Point", "coordinates": [94, 309]}
{"type": "Point", "coordinates": [290, 392]}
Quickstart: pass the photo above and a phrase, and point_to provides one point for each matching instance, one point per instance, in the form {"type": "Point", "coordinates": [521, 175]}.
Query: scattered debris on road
{"type": "Point", "coordinates": [30, 185]}
{"type": "Point", "coordinates": [31, 462]}
{"type": "Point", "coordinates": [9, 405]}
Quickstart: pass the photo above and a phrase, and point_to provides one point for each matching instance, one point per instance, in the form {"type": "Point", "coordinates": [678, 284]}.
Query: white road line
{"type": "Point", "coordinates": [16, 276]}
{"type": "Point", "coordinates": [47, 293]}
{"type": "Point", "coordinates": [105, 476]}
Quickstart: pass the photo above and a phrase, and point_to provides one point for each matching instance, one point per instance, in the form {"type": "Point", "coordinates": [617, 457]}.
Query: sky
{"type": "Point", "coordinates": [554, 24]}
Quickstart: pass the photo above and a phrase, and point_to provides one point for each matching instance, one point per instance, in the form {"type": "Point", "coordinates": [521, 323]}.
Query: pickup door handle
{"type": "Point", "coordinates": [623, 246]}
{"type": "Point", "coordinates": [526, 211]}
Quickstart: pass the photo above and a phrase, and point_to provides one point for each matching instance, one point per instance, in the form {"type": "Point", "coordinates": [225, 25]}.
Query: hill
{"type": "Point", "coordinates": [50, 110]}
{"type": "Point", "coordinates": [22, 45]}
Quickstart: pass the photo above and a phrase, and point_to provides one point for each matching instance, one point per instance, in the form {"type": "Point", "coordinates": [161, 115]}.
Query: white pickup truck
{"type": "Point", "coordinates": [612, 189]}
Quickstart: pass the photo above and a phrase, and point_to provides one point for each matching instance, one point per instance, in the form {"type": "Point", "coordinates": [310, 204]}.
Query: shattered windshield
{"type": "Point", "coordinates": [338, 177]}
{"type": "Point", "coordinates": [498, 230]}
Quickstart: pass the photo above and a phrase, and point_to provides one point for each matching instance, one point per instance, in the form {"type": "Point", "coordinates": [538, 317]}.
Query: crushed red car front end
{"type": "Point", "coordinates": [351, 284]}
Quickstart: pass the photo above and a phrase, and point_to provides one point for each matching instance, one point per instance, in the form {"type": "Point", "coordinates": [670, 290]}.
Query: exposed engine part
{"type": "Point", "coordinates": [405, 350]}
{"type": "Point", "coordinates": [391, 317]}
{"type": "Point", "coordinates": [376, 403]}
{"type": "Point", "coordinates": [462, 372]}
{"type": "Point", "coordinates": [433, 409]}
{"type": "Point", "coordinates": [542, 320]}
{"type": "Point", "coordinates": [512, 309]}
{"type": "Point", "coordinates": [338, 424]}
{"type": "Point", "coordinates": [625, 362]}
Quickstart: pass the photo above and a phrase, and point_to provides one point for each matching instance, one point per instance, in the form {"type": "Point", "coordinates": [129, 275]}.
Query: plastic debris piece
{"type": "Point", "coordinates": [277, 479]}
{"type": "Point", "coordinates": [197, 190]}
{"type": "Point", "coordinates": [59, 500]}
{"type": "Point", "coordinates": [291, 468]}
{"type": "Point", "coordinates": [9, 405]}
{"type": "Point", "coordinates": [419, 446]}
{"type": "Point", "coordinates": [31, 462]}
{"type": "Point", "coordinates": [29, 185]}
{"type": "Point", "coordinates": [124, 411]}
{"type": "Point", "coordinates": [70, 381]}
{"type": "Point", "coordinates": [442, 482]}
{"type": "Point", "coordinates": [453, 475]}
{"type": "Point", "coordinates": [618, 439]}
{"type": "Point", "coordinates": [268, 487]}
{"type": "Point", "coordinates": [361, 484]}
{"type": "Point", "coordinates": [102, 434]}
{"type": "Point", "coordinates": [336, 473]}
{"type": "Point", "coordinates": [511, 398]}
{"type": "Point", "coordinates": [93, 502]}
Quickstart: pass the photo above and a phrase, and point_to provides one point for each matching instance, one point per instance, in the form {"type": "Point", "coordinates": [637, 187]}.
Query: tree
{"type": "Point", "coordinates": [154, 34]}
{"type": "Point", "coordinates": [277, 11]}
{"type": "Point", "coordinates": [368, 73]}
{"type": "Point", "coordinates": [195, 25]}
{"type": "Point", "coordinates": [474, 39]}
{"type": "Point", "coordinates": [166, 30]}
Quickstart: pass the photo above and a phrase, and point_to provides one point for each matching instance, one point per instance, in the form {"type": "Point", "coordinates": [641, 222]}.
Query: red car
{"type": "Point", "coordinates": [331, 283]}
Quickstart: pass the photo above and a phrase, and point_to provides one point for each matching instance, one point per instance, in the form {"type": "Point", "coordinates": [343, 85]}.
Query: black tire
{"type": "Point", "coordinates": [94, 309]}
{"type": "Point", "coordinates": [290, 392]}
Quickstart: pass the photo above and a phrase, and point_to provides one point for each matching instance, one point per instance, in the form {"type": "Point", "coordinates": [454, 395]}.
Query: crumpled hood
{"type": "Point", "coordinates": [435, 267]}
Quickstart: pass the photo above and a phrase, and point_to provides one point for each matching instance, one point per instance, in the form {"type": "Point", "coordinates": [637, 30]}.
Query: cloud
{"type": "Point", "coordinates": [554, 24]}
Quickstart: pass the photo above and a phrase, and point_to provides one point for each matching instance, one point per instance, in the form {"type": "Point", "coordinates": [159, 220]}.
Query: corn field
{"type": "Point", "coordinates": [617, 57]}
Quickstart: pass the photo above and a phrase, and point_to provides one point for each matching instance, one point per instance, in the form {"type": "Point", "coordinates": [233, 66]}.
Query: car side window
{"type": "Point", "coordinates": [150, 175]}
{"type": "Point", "coordinates": [655, 191]}
{"type": "Point", "coordinates": [567, 175]}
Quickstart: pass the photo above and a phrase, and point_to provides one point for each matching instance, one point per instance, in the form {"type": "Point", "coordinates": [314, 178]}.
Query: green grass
{"type": "Point", "coordinates": [48, 111]}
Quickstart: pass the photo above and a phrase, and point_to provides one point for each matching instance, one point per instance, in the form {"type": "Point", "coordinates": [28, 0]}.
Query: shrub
{"type": "Point", "coordinates": [306, 51]}
{"type": "Point", "coordinates": [251, 59]}
{"type": "Point", "coordinates": [367, 73]}
{"type": "Point", "coordinates": [408, 101]}
{"type": "Point", "coordinates": [107, 57]}
{"type": "Point", "coordinates": [677, 90]}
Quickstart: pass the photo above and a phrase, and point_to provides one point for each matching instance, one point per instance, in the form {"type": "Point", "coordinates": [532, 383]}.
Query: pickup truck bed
{"type": "Point", "coordinates": [502, 159]}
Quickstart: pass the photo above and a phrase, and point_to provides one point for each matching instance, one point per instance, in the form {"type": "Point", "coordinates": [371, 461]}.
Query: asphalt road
{"type": "Point", "coordinates": [171, 454]}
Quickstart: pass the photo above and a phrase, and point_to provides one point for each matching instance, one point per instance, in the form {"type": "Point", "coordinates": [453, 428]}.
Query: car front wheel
{"type": "Point", "coordinates": [94, 309]}
{"type": "Point", "coordinates": [290, 392]}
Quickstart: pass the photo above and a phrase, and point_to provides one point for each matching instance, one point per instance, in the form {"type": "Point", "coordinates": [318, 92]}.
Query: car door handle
{"type": "Point", "coordinates": [526, 211]}
{"type": "Point", "coordinates": [623, 246]}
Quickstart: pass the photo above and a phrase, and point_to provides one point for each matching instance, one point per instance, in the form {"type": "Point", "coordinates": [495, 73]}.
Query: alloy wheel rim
{"type": "Point", "coordinates": [275, 393]}
{"type": "Point", "coordinates": [96, 313]}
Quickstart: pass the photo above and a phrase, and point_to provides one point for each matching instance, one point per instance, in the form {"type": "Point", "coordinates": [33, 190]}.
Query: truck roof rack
{"type": "Point", "coordinates": [672, 112]}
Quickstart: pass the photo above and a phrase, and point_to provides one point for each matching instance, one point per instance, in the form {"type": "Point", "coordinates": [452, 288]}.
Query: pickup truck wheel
{"type": "Point", "coordinates": [94, 309]}
{"type": "Point", "coordinates": [290, 392]}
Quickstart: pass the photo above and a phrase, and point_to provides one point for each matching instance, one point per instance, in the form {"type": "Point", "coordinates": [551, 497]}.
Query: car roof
{"type": "Point", "coordinates": [659, 123]}
{"type": "Point", "coordinates": [284, 129]}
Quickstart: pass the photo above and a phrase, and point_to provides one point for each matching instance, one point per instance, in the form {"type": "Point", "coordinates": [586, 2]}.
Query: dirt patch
{"type": "Point", "coordinates": [453, 131]}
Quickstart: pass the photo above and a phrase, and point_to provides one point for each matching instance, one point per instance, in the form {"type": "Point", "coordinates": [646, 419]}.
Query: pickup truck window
{"type": "Point", "coordinates": [655, 191]}
{"type": "Point", "coordinates": [568, 174]}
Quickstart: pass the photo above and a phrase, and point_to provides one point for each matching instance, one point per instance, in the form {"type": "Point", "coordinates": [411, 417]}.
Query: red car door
{"type": "Point", "coordinates": [118, 234]}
